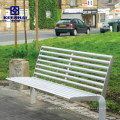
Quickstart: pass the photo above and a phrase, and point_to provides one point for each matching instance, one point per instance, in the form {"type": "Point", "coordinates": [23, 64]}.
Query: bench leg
{"type": "Point", "coordinates": [32, 96]}
{"type": "Point", "coordinates": [102, 108]}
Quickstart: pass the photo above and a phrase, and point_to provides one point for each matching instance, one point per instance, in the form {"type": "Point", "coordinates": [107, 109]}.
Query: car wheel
{"type": "Point", "coordinates": [57, 34]}
{"type": "Point", "coordinates": [118, 29]}
{"type": "Point", "coordinates": [74, 33]}
{"type": "Point", "coordinates": [71, 33]}
{"type": "Point", "coordinates": [88, 31]}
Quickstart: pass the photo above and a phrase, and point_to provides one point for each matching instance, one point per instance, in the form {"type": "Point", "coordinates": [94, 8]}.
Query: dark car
{"type": "Point", "coordinates": [106, 27]}
{"type": "Point", "coordinates": [72, 26]}
{"type": "Point", "coordinates": [118, 26]}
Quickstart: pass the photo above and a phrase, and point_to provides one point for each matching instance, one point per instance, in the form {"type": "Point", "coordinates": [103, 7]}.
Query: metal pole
{"type": "Point", "coordinates": [15, 4]}
{"type": "Point", "coordinates": [36, 25]}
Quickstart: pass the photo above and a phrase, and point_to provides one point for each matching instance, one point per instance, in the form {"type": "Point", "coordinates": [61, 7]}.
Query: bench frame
{"type": "Point", "coordinates": [99, 98]}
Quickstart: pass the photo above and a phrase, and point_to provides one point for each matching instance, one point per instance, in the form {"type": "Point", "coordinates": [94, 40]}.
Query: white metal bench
{"type": "Point", "coordinates": [70, 74]}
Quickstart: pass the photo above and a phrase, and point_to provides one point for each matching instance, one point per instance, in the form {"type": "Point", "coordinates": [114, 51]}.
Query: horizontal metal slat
{"type": "Point", "coordinates": [70, 77]}
{"type": "Point", "coordinates": [77, 52]}
{"type": "Point", "coordinates": [73, 67]}
{"type": "Point", "coordinates": [51, 87]}
{"type": "Point", "coordinates": [70, 82]}
{"type": "Point", "coordinates": [73, 72]}
{"type": "Point", "coordinates": [75, 62]}
{"type": "Point", "coordinates": [77, 57]}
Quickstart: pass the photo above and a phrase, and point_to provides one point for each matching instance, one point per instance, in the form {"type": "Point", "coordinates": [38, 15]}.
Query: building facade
{"type": "Point", "coordinates": [115, 12]}
{"type": "Point", "coordinates": [108, 9]}
{"type": "Point", "coordinates": [7, 24]}
{"type": "Point", "coordinates": [82, 9]}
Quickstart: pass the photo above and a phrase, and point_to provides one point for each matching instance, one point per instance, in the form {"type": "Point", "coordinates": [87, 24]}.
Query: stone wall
{"type": "Point", "coordinates": [66, 4]}
{"type": "Point", "coordinates": [5, 4]}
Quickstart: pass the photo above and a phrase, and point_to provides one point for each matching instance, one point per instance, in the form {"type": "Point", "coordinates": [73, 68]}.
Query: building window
{"type": "Point", "coordinates": [111, 16]}
{"type": "Point", "coordinates": [90, 3]}
{"type": "Point", "coordinates": [48, 14]}
{"type": "Point", "coordinates": [26, 13]}
{"type": "Point", "coordinates": [102, 17]}
{"type": "Point", "coordinates": [73, 3]}
{"type": "Point", "coordinates": [117, 15]}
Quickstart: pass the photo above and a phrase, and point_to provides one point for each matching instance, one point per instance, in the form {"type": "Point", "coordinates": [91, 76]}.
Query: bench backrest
{"type": "Point", "coordinates": [86, 70]}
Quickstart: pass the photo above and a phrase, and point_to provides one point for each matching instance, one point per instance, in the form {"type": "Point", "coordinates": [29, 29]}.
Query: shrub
{"type": "Point", "coordinates": [113, 94]}
{"type": "Point", "coordinates": [19, 53]}
{"type": "Point", "coordinates": [112, 106]}
{"type": "Point", "coordinates": [32, 53]}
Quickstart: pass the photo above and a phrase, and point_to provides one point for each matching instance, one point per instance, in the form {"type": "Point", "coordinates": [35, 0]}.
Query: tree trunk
{"type": "Point", "coordinates": [25, 28]}
{"type": "Point", "coordinates": [36, 25]}
{"type": "Point", "coordinates": [15, 4]}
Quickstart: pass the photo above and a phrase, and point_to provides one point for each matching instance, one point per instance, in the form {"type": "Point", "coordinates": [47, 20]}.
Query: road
{"type": "Point", "coordinates": [7, 37]}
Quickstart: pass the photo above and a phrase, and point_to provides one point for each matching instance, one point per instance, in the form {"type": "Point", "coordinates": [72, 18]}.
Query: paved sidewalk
{"type": "Point", "coordinates": [80, 108]}
{"type": "Point", "coordinates": [15, 105]}
{"type": "Point", "coordinates": [51, 105]}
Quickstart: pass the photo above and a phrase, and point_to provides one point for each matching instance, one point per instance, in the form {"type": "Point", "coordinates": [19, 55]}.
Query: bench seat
{"type": "Point", "coordinates": [53, 88]}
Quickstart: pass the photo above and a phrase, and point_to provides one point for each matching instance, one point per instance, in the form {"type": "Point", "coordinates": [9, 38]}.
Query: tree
{"type": "Point", "coordinates": [25, 28]}
{"type": "Point", "coordinates": [15, 4]}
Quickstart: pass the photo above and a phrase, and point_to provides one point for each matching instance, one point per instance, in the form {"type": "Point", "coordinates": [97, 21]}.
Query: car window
{"type": "Point", "coordinates": [74, 21]}
{"type": "Point", "coordinates": [111, 20]}
{"type": "Point", "coordinates": [64, 21]}
{"type": "Point", "coordinates": [80, 22]}
{"type": "Point", "coordinates": [118, 20]}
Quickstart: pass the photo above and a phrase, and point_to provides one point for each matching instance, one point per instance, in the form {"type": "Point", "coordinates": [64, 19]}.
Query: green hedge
{"type": "Point", "coordinates": [32, 14]}
{"type": "Point", "coordinates": [48, 5]}
{"type": "Point", "coordinates": [45, 5]}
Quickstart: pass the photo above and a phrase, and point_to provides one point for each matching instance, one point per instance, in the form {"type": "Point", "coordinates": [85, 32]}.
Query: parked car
{"type": "Point", "coordinates": [105, 27]}
{"type": "Point", "coordinates": [118, 26]}
{"type": "Point", "coordinates": [72, 26]}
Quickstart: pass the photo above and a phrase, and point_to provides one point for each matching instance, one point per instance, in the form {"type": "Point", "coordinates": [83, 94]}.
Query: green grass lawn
{"type": "Point", "coordinates": [108, 43]}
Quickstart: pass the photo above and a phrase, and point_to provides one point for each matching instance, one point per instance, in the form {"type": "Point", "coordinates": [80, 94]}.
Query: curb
{"type": "Point", "coordinates": [4, 83]}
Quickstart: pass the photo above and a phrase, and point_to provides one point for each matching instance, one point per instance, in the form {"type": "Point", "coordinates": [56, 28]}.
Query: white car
{"type": "Point", "coordinates": [106, 26]}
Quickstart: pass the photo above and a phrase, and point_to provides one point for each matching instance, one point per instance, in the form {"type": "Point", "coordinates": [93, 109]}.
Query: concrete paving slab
{"type": "Point", "coordinates": [15, 105]}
